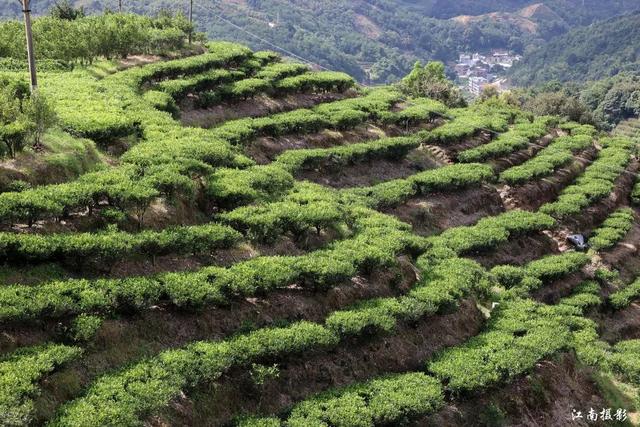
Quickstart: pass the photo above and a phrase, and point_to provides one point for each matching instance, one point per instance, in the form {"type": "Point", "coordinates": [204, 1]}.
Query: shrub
{"type": "Point", "coordinates": [538, 272]}
{"type": "Point", "coordinates": [20, 373]}
{"type": "Point", "coordinates": [625, 360]}
{"type": "Point", "coordinates": [613, 229]}
{"type": "Point", "coordinates": [390, 148]}
{"type": "Point", "coordinates": [85, 327]}
{"type": "Point", "coordinates": [558, 154]}
{"type": "Point", "coordinates": [111, 245]}
{"type": "Point", "coordinates": [323, 81]}
{"type": "Point", "coordinates": [384, 400]}
{"type": "Point", "coordinates": [375, 245]}
{"type": "Point", "coordinates": [519, 334]}
{"type": "Point", "coordinates": [597, 181]}
{"type": "Point", "coordinates": [625, 296]}
{"type": "Point", "coordinates": [447, 178]}
{"type": "Point", "coordinates": [179, 89]}
{"type": "Point", "coordinates": [516, 138]}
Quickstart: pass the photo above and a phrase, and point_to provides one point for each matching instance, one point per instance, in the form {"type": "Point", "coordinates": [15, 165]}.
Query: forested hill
{"type": "Point", "coordinates": [574, 12]}
{"type": "Point", "coordinates": [375, 40]}
{"type": "Point", "coordinates": [591, 53]}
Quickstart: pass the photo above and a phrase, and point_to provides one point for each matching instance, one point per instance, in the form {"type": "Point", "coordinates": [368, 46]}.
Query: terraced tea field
{"type": "Point", "coordinates": [274, 246]}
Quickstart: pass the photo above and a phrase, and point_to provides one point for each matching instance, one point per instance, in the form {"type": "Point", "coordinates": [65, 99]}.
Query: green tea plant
{"type": "Point", "coordinates": [516, 138]}
{"type": "Point", "coordinates": [379, 401]}
{"type": "Point", "coordinates": [111, 245]}
{"type": "Point", "coordinates": [597, 181]}
{"type": "Point", "coordinates": [625, 296]}
{"type": "Point", "coordinates": [613, 229]}
{"type": "Point", "coordinates": [548, 160]}
{"type": "Point", "coordinates": [20, 373]}
{"type": "Point", "coordinates": [518, 335]}
{"type": "Point", "coordinates": [447, 178]}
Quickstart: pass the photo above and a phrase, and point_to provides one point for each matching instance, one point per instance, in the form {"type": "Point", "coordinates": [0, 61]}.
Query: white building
{"type": "Point", "coordinates": [476, 84]}
{"type": "Point", "coordinates": [465, 59]}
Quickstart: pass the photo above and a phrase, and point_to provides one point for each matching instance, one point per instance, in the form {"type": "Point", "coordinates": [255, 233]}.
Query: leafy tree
{"type": "Point", "coordinates": [559, 104]}
{"type": "Point", "coordinates": [431, 81]}
{"type": "Point", "coordinates": [489, 91]}
{"type": "Point", "coordinates": [13, 122]}
{"type": "Point", "coordinates": [633, 103]}
{"type": "Point", "coordinates": [63, 9]}
{"type": "Point", "coordinates": [40, 115]}
{"type": "Point", "coordinates": [24, 117]}
{"type": "Point", "coordinates": [69, 36]}
{"type": "Point", "coordinates": [599, 51]}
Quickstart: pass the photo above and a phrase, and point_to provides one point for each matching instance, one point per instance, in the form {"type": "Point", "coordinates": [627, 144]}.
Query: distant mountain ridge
{"type": "Point", "coordinates": [532, 19]}
{"type": "Point", "coordinates": [574, 12]}
{"type": "Point", "coordinates": [601, 50]}
{"type": "Point", "coordinates": [376, 40]}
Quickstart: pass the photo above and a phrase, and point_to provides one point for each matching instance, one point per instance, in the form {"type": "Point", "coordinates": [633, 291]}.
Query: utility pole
{"type": "Point", "coordinates": [190, 20]}
{"type": "Point", "coordinates": [120, 6]}
{"type": "Point", "coordinates": [30, 53]}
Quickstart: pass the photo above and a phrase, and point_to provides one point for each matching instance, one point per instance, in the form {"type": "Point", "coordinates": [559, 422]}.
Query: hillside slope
{"type": "Point", "coordinates": [315, 253]}
{"type": "Point", "coordinates": [374, 40]}
{"type": "Point", "coordinates": [601, 50]}
{"type": "Point", "coordinates": [574, 12]}
{"type": "Point", "coordinates": [533, 22]}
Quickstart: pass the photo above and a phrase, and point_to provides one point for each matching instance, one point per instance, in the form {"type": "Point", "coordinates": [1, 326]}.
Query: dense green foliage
{"type": "Point", "coordinates": [23, 117]}
{"type": "Point", "coordinates": [518, 335]}
{"type": "Point", "coordinates": [613, 229]}
{"type": "Point", "coordinates": [613, 99]}
{"type": "Point", "coordinates": [379, 401]}
{"type": "Point", "coordinates": [112, 245]}
{"type": "Point", "coordinates": [516, 138]}
{"type": "Point", "coordinates": [625, 360]}
{"type": "Point", "coordinates": [448, 178]}
{"type": "Point", "coordinates": [21, 371]}
{"type": "Point", "coordinates": [625, 296]}
{"type": "Point", "coordinates": [431, 81]}
{"type": "Point", "coordinates": [375, 244]}
{"type": "Point", "coordinates": [300, 240]}
{"type": "Point", "coordinates": [635, 194]}
{"type": "Point", "coordinates": [446, 278]}
{"type": "Point", "coordinates": [604, 102]}
{"type": "Point", "coordinates": [597, 181]}
{"type": "Point", "coordinates": [521, 280]}
{"type": "Point", "coordinates": [87, 38]}
{"type": "Point", "coordinates": [601, 50]}
{"type": "Point", "coordinates": [559, 153]}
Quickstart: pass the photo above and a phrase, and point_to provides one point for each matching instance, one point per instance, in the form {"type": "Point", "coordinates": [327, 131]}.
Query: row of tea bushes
{"type": "Point", "coordinates": [519, 334]}
{"type": "Point", "coordinates": [376, 243]}
{"type": "Point", "coordinates": [447, 178]}
{"type": "Point", "coordinates": [613, 229]}
{"type": "Point", "coordinates": [559, 153]}
{"type": "Point", "coordinates": [111, 245]}
{"type": "Point", "coordinates": [598, 179]}
{"type": "Point", "coordinates": [20, 373]}
{"type": "Point", "coordinates": [516, 138]}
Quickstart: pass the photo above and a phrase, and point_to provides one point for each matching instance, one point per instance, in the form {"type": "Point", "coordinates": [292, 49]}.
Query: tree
{"type": "Point", "coordinates": [488, 92]}
{"type": "Point", "coordinates": [13, 123]}
{"type": "Point", "coordinates": [558, 104]}
{"type": "Point", "coordinates": [63, 9]}
{"type": "Point", "coordinates": [633, 103]}
{"type": "Point", "coordinates": [431, 81]}
{"type": "Point", "coordinates": [40, 116]}
{"type": "Point", "coordinates": [14, 136]}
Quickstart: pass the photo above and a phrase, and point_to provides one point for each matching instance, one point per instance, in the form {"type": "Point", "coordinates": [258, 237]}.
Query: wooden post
{"type": "Point", "coordinates": [120, 6]}
{"type": "Point", "coordinates": [190, 19]}
{"type": "Point", "coordinates": [30, 53]}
